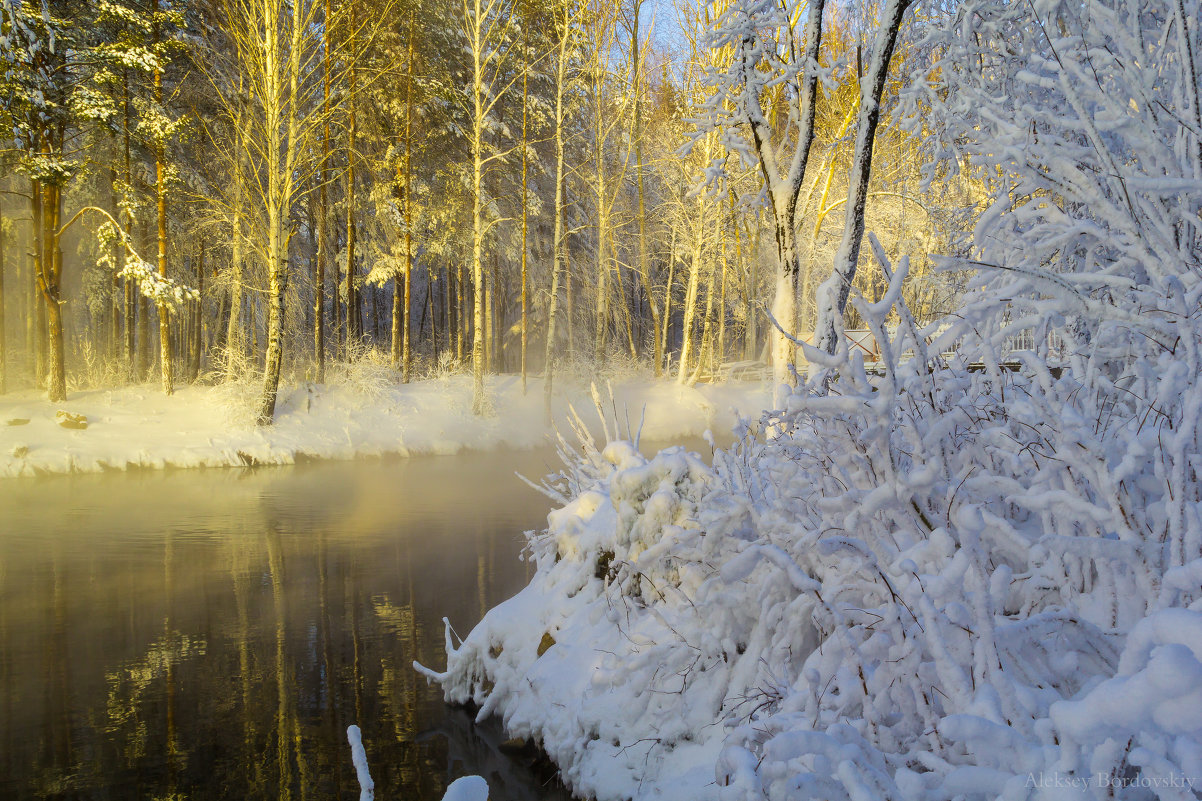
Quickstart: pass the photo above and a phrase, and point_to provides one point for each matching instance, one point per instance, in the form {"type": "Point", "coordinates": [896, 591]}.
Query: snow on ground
{"type": "Point", "coordinates": [205, 426]}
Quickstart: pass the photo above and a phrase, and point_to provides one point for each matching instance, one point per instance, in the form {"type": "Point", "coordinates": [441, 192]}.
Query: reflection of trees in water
{"type": "Point", "coordinates": [133, 686]}
{"type": "Point", "coordinates": [227, 660]}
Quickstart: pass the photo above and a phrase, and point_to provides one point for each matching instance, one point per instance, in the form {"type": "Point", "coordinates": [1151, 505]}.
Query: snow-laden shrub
{"type": "Point", "coordinates": [617, 366]}
{"type": "Point", "coordinates": [975, 576]}
{"type": "Point", "coordinates": [92, 368]}
{"type": "Point", "coordinates": [366, 372]}
{"type": "Point", "coordinates": [237, 381]}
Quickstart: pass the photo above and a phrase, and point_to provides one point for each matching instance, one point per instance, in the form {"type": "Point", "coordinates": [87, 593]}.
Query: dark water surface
{"type": "Point", "coordinates": [210, 634]}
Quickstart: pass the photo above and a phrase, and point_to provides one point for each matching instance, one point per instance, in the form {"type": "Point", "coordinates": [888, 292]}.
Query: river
{"type": "Point", "coordinates": [210, 634]}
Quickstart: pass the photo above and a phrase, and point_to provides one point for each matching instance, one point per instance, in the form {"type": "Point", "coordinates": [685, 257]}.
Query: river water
{"type": "Point", "coordinates": [210, 634]}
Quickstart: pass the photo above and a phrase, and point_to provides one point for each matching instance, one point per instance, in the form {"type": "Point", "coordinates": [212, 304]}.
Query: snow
{"type": "Point", "coordinates": [367, 787]}
{"type": "Point", "coordinates": [467, 788]}
{"type": "Point", "coordinates": [947, 580]}
{"type": "Point", "coordinates": [204, 426]}
{"type": "Point", "coordinates": [823, 615]}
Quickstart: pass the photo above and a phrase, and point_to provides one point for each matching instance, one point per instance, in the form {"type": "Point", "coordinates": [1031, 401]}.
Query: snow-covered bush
{"type": "Point", "coordinates": [617, 366]}
{"type": "Point", "coordinates": [975, 576]}
{"type": "Point", "coordinates": [238, 381]}
{"type": "Point", "coordinates": [94, 369]}
{"type": "Point", "coordinates": [366, 371]}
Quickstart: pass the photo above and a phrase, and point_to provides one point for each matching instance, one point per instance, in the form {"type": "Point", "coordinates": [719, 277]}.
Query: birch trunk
{"type": "Point", "coordinates": [323, 178]}
{"type": "Point", "coordinates": [525, 192]}
{"type": "Point", "coordinates": [784, 186]}
{"type": "Point", "coordinates": [281, 114]}
{"type": "Point", "coordinates": [690, 298]}
{"type": "Point", "coordinates": [478, 55]}
{"type": "Point", "coordinates": [557, 237]}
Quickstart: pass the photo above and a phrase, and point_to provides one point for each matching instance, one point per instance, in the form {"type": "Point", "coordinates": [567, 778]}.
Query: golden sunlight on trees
{"type": "Point", "coordinates": [488, 187]}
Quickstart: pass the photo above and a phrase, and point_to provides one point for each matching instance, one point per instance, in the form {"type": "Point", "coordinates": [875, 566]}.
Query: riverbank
{"type": "Point", "coordinates": [212, 426]}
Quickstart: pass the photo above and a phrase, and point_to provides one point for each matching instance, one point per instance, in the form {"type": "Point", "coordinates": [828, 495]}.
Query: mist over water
{"type": "Point", "coordinates": [211, 634]}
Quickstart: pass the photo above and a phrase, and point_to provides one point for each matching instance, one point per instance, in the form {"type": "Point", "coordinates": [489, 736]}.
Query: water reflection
{"type": "Point", "coordinates": [211, 634]}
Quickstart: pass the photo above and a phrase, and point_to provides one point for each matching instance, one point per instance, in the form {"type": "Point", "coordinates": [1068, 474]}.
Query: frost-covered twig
{"type": "Point", "coordinates": [367, 787]}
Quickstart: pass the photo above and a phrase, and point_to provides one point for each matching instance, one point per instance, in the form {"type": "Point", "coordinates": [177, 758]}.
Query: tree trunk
{"type": "Point", "coordinates": [281, 114]}
{"type": "Point", "coordinates": [833, 293]}
{"type": "Point", "coordinates": [131, 295]}
{"type": "Point", "coordinates": [668, 294]}
{"type": "Point", "coordinates": [600, 341]}
{"type": "Point", "coordinates": [323, 208]}
{"type": "Point", "coordinates": [783, 189]}
{"type": "Point", "coordinates": [525, 188]}
{"type": "Point", "coordinates": [354, 330]}
{"type": "Point", "coordinates": [406, 347]}
{"type": "Point", "coordinates": [3, 344]}
{"type": "Point", "coordinates": [50, 283]}
{"type": "Point", "coordinates": [353, 319]}
{"type": "Point", "coordinates": [460, 309]}
{"type": "Point", "coordinates": [557, 238]}
{"type": "Point", "coordinates": [690, 298]}
{"type": "Point", "coordinates": [275, 316]}
{"type": "Point", "coordinates": [114, 333]}
{"type": "Point", "coordinates": [478, 56]}
{"type": "Point", "coordinates": [38, 316]}
{"type": "Point", "coordinates": [198, 330]}
{"type": "Point", "coordinates": [636, 68]}
{"type": "Point", "coordinates": [166, 359]}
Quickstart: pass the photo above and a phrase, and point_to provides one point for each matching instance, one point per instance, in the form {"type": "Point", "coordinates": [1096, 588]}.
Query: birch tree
{"type": "Point", "coordinates": [767, 57]}
{"type": "Point", "coordinates": [565, 13]}
{"type": "Point", "coordinates": [275, 51]}
{"type": "Point", "coordinates": [487, 27]}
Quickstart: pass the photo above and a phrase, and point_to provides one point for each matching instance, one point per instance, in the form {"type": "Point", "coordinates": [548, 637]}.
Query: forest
{"type": "Point", "coordinates": [203, 190]}
{"type": "Point", "coordinates": [961, 562]}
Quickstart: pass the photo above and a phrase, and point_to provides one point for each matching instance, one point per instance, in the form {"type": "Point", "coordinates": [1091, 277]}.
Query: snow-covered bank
{"type": "Point", "coordinates": [881, 603]}
{"type": "Point", "coordinates": [210, 426]}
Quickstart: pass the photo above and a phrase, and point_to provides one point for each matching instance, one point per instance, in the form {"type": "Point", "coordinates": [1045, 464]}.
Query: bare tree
{"type": "Point", "coordinates": [832, 294]}
{"type": "Point", "coordinates": [764, 55]}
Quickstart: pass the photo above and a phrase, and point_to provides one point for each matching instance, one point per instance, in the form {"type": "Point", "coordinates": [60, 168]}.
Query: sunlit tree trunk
{"type": "Point", "coordinates": [481, 18]}
{"type": "Point", "coordinates": [459, 308]}
{"type": "Point", "coordinates": [705, 347]}
{"type": "Point", "coordinates": [601, 332]}
{"type": "Point", "coordinates": [166, 360]}
{"type": "Point", "coordinates": [406, 335]}
{"type": "Point", "coordinates": [36, 319]}
{"type": "Point", "coordinates": [696, 266]}
{"type": "Point", "coordinates": [280, 94]}
{"type": "Point", "coordinates": [323, 206]}
{"type": "Point", "coordinates": [3, 342]}
{"type": "Point", "coordinates": [354, 330]}
{"type": "Point", "coordinates": [557, 243]}
{"type": "Point", "coordinates": [636, 82]}
{"type": "Point", "coordinates": [668, 291]}
{"type": "Point", "coordinates": [114, 333]}
{"type": "Point", "coordinates": [478, 215]}
{"type": "Point", "coordinates": [525, 185]}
